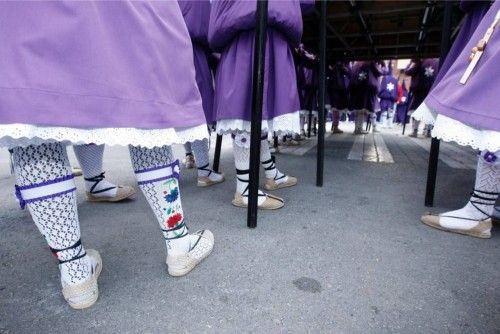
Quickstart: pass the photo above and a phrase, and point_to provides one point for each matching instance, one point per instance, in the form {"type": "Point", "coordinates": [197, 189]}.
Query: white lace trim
{"type": "Point", "coordinates": [449, 129]}
{"type": "Point", "coordinates": [425, 114]}
{"type": "Point", "coordinates": [12, 135]}
{"type": "Point", "coordinates": [284, 124]}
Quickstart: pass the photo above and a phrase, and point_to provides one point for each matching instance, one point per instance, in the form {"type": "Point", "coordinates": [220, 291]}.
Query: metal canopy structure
{"type": "Point", "coordinates": [379, 29]}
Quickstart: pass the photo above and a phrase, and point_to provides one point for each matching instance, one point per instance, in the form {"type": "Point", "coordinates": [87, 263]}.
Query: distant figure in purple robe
{"type": "Point", "coordinates": [232, 33]}
{"type": "Point", "coordinates": [338, 92]}
{"type": "Point", "coordinates": [363, 89]}
{"type": "Point", "coordinates": [388, 95]}
{"type": "Point", "coordinates": [423, 72]}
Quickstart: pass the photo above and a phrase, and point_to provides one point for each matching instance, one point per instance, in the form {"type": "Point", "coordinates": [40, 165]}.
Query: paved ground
{"type": "Point", "coordinates": [351, 257]}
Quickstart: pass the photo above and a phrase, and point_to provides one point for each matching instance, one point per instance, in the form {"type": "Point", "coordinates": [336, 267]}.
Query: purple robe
{"type": "Point", "coordinates": [364, 85]}
{"type": "Point", "coordinates": [476, 102]}
{"type": "Point", "coordinates": [97, 64]}
{"type": "Point", "coordinates": [388, 92]}
{"type": "Point", "coordinates": [475, 11]}
{"type": "Point", "coordinates": [197, 17]}
{"type": "Point", "coordinates": [422, 72]}
{"type": "Point", "coordinates": [337, 86]}
{"type": "Point", "coordinates": [232, 32]}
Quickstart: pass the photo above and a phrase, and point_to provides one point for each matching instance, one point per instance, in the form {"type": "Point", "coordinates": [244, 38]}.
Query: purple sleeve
{"type": "Point", "coordinates": [196, 15]}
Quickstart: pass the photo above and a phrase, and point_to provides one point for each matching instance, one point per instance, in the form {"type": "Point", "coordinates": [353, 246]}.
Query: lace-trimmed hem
{"type": "Point", "coordinates": [284, 124]}
{"type": "Point", "coordinates": [424, 114]}
{"type": "Point", "coordinates": [14, 135]}
{"type": "Point", "coordinates": [448, 129]}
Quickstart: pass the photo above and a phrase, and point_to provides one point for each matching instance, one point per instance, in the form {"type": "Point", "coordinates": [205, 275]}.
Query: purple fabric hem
{"type": "Point", "coordinates": [79, 111]}
{"type": "Point", "coordinates": [470, 118]}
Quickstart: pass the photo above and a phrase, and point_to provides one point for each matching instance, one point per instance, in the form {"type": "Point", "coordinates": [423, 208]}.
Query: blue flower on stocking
{"type": "Point", "coordinates": [173, 191]}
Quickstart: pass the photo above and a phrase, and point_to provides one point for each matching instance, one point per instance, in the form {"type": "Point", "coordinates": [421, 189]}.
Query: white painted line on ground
{"type": "Point", "coordinates": [384, 155]}
{"type": "Point", "coordinates": [370, 150]}
{"type": "Point", "coordinates": [356, 152]}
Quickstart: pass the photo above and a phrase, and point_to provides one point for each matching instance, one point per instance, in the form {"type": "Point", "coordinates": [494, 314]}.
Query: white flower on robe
{"type": "Point", "coordinates": [362, 76]}
{"type": "Point", "coordinates": [390, 86]}
{"type": "Point", "coordinates": [429, 71]}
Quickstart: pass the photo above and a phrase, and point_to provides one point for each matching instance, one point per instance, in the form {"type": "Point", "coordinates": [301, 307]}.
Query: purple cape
{"type": "Point", "coordinates": [388, 92]}
{"type": "Point", "coordinates": [337, 86]}
{"type": "Point", "coordinates": [363, 86]}
{"type": "Point", "coordinates": [197, 17]}
{"type": "Point", "coordinates": [476, 102]}
{"type": "Point", "coordinates": [231, 30]}
{"type": "Point", "coordinates": [97, 64]}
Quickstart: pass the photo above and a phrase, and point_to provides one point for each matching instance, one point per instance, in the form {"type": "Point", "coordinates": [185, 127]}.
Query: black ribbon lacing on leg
{"type": "Point", "coordinates": [97, 179]}
{"type": "Point", "coordinates": [272, 161]}
{"type": "Point", "coordinates": [178, 227]}
{"type": "Point", "coordinates": [76, 257]}
{"type": "Point", "coordinates": [205, 168]}
{"type": "Point", "coordinates": [479, 197]}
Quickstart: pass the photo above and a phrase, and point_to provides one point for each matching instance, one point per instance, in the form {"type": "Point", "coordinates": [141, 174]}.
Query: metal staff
{"type": "Point", "coordinates": [434, 152]}
{"type": "Point", "coordinates": [257, 101]}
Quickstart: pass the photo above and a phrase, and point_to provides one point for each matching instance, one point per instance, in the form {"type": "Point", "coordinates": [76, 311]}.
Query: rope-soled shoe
{"type": "Point", "coordinates": [481, 230]}
{"type": "Point", "coordinates": [122, 192]}
{"type": "Point", "coordinates": [85, 294]}
{"type": "Point", "coordinates": [182, 264]}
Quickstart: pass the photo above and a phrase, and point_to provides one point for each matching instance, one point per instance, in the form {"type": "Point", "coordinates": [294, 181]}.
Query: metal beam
{"type": "Point", "coordinates": [335, 33]}
{"type": "Point", "coordinates": [408, 45]}
{"type": "Point", "coordinates": [363, 25]}
{"type": "Point", "coordinates": [398, 10]}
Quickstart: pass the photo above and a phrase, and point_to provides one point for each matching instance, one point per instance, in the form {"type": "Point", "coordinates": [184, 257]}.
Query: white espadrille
{"type": "Point", "coordinates": [182, 264]}
{"type": "Point", "coordinates": [85, 294]}
{"type": "Point", "coordinates": [481, 230]}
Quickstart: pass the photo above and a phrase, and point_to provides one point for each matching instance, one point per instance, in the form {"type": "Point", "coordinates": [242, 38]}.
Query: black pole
{"type": "Point", "coordinates": [275, 142]}
{"type": "Point", "coordinates": [321, 109]}
{"type": "Point", "coordinates": [404, 121]}
{"type": "Point", "coordinates": [434, 152]}
{"type": "Point", "coordinates": [218, 144]}
{"type": "Point", "coordinates": [309, 122]}
{"type": "Point", "coordinates": [257, 101]}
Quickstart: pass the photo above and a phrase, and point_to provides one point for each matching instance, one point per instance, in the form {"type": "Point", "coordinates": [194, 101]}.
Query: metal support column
{"type": "Point", "coordinates": [434, 152]}
{"type": "Point", "coordinates": [257, 101]}
{"type": "Point", "coordinates": [321, 108]}
{"type": "Point", "coordinates": [218, 144]}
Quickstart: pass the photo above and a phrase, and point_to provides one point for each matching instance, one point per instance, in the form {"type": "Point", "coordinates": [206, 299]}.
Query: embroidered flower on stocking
{"type": "Point", "coordinates": [173, 220]}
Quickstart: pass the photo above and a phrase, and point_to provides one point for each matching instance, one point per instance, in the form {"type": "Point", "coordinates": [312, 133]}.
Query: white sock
{"type": "Point", "coordinates": [268, 163]}
{"type": "Point", "coordinates": [241, 151]}
{"type": "Point", "coordinates": [482, 202]}
{"type": "Point", "coordinates": [161, 189]}
{"type": "Point", "coordinates": [200, 150]}
{"type": "Point", "coordinates": [90, 159]}
{"type": "Point", "coordinates": [55, 215]}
